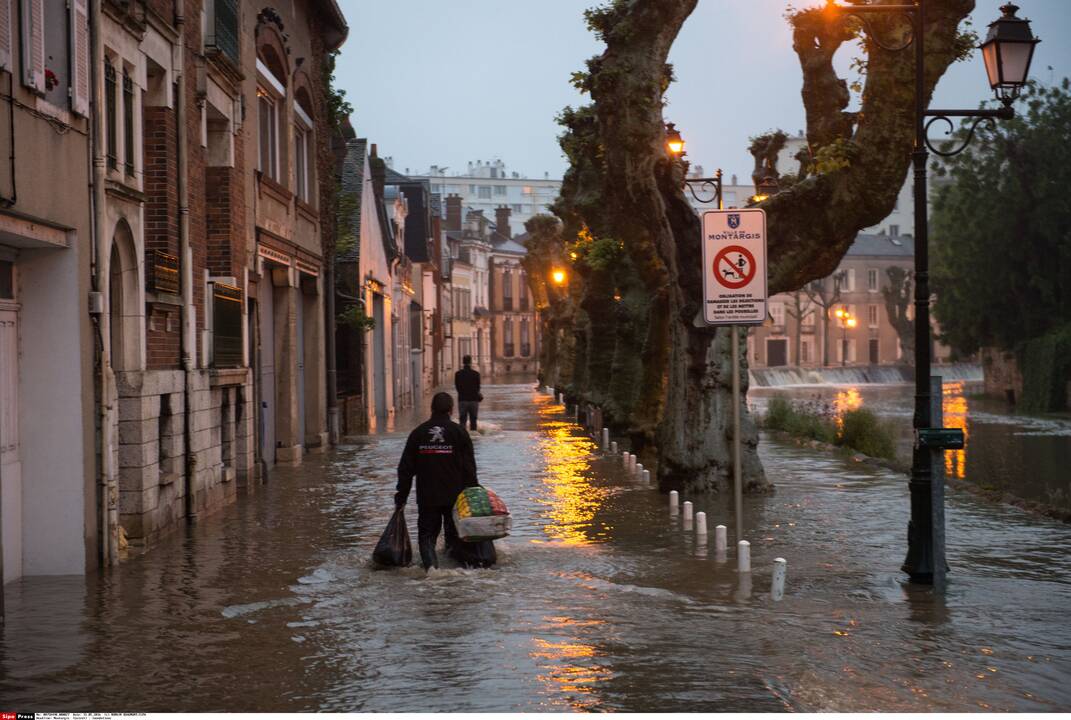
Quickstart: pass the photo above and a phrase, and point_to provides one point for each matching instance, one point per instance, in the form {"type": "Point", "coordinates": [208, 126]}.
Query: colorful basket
{"type": "Point", "coordinates": [480, 515]}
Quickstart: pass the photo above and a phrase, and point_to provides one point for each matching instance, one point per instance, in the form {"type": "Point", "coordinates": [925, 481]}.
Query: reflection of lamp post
{"type": "Point", "coordinates": [1007, 52]}
{"type": "Point", "coordinates": [847, 320]}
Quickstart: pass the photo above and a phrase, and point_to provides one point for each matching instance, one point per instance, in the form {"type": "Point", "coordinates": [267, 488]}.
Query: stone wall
{"type": "Point", "coordinates": [153, 483]}
{"type": "Point", "coordinates": [1002, 377]}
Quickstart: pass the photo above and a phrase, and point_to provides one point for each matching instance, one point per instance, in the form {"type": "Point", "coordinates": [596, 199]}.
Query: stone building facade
{"type": "Point", "coordinates": [52, 507]}
{"type": "Point", "coordinates": [512, 312]}
{"type": "Point", "coordinates": [201, 240]}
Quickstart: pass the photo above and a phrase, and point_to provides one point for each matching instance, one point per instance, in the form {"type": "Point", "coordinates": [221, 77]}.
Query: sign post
{"type": "Point", "coordinates": [734, 293]}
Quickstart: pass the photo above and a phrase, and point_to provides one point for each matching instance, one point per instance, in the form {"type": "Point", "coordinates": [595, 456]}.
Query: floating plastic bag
{"type": "Point", "coordinates": [479, 514]}
{"type": "Point", "coordinates": [394, 548]}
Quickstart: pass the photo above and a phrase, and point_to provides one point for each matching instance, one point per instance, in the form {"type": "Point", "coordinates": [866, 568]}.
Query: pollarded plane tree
{"type": "Point", "coordinates": [664, 379]}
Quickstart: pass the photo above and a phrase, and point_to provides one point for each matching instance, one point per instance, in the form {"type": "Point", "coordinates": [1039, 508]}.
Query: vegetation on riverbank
{"type": "Point", "coordinates": [859, 430]}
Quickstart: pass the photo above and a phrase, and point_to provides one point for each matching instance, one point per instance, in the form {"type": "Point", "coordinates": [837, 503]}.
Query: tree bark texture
{"type": "Point", "coordinates": [642, 352]}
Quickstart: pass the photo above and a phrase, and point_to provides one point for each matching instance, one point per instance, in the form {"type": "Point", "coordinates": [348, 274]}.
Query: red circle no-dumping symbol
{"type": "Point", "coordinates": [734, 267]}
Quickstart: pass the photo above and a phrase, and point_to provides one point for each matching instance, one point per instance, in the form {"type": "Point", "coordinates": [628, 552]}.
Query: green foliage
{"type": "Point", "coordinates": [1045, 363]}
{"type": "Point", "coordinates": [353, 318]}
{"type": "Point", "coordinates": [862, 430]}
{"type": "Point", "coordinates": [782, 414]}
{"type": "Point", "coordinates": [338, 108]}
{"type": "Point", "coordinates": [837, 155]}
{"type": "Point", "coordinates": [1001, 230]}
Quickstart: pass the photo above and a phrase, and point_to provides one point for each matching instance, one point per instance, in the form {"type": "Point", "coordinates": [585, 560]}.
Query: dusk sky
{"type": "Point", "coordinates": [444, 83]}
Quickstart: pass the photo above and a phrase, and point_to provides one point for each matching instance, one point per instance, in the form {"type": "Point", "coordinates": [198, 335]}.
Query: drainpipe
{"type": "Point", "coordinates": [109, 492]}
{"type": "Point", "coordinates": [189, 325]}
{"type": "Point", "coordinates": [332, 374]}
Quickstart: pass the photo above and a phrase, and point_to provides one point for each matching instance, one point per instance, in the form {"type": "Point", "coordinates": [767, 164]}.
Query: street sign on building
{"type": "Point", "coordinates": [734, 267]}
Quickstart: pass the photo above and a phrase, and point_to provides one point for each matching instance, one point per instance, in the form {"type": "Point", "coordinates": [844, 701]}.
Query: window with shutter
{"type": "Point", "coordinates": [79, 56]}
{"type": "Point", "coordinates": [5, 33]}
{"type": "Point", "coordinates": [33, 45]}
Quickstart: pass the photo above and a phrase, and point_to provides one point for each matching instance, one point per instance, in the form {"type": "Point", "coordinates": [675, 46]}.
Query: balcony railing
{"type": "Point", "coordinates": [508, 350]}
{"type": "Point", "coordinates": [507, 303]}
{"type": "Point", "coordinates": [526, 351]}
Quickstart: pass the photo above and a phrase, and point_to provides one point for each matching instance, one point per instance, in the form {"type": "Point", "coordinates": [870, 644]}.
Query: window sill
{"type": "Point", "coordinates": [274, 188]}
{"type": "Point", "coordinates": [306, 210]}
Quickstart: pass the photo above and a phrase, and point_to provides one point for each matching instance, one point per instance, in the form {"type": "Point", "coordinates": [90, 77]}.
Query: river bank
{"type": "Point", "coordinates": [1017, 459]}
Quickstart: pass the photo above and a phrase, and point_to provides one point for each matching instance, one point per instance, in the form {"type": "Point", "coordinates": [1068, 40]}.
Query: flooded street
{"type": "Point", "coordinates": [600, 600]}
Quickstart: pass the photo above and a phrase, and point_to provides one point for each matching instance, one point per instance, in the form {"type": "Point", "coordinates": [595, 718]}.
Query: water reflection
{"type": "Point", "coordinates": [844, 401]}
{"type": "Point", "coordinates": [573, 499]}
{"type": "Point", "coordinates": [954, 406]}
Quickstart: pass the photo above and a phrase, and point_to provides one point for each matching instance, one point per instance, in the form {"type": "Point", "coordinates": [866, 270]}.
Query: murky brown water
{"type": "Point", "coordinates": [1027, 456]}
{"type": "Point", "coordinates": [600, 601]}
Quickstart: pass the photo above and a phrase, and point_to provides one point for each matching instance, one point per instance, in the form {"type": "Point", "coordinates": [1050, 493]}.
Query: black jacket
{"type": "Point", "coordinates": [467, 384]}
{"type": "Point", "coordinates": [439, 452]}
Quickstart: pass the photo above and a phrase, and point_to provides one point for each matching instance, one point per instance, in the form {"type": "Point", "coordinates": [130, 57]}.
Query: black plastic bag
{"type": "Point", "coordinates": [394, 548]}
{"type": "Point", "coordinates": [475, 554]}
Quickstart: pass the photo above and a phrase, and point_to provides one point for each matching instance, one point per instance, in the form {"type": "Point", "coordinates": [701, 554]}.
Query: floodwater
{"type": "Point", "coordinates": [1027, 456]}
{"type": "Point", "coordinates": [601, 600]}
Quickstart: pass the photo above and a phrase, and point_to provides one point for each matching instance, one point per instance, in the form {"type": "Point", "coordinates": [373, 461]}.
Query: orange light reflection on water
{"type": "Point", "coordinates": [571, 669]}
{"type": "Point", "coordinates": [843, 401]}
{"type": "Point", "coordinates": [573, 499]}
{"type": "Point", "coordinates": [954, 407]}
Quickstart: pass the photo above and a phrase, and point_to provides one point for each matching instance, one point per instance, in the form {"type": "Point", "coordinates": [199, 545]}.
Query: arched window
{"type": "Point", "coordinates": [125, 305]}
{"type": "Point", "coordinates": [271, 98]}
{"type": "Point", "coordinates": [304, 147]}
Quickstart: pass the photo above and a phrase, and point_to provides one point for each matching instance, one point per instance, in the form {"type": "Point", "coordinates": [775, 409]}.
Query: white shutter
{"type": "Point", "coordinates": [5, 33]}
{"type": "Point", "coordinates": [33, 44]}
{"type": "Point", "coordinates": [79, 56]}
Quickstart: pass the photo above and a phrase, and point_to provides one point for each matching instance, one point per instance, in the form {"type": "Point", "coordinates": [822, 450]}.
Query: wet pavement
{"type": "Point", "coordinates": [601, 601]}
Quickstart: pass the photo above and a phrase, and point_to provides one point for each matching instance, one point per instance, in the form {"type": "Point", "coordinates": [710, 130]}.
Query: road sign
{"type": "Point", "coordinates": [734, 267]}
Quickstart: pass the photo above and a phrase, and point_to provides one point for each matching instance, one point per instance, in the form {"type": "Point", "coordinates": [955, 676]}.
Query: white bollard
{"type": "Point", "coordinates": [605, 438]}
{"type": "Point", "coordinates": [639, 471]}
{"type": "Point", "coordinates": [613, 447]}
{"type": "Point", "coordinates": [646, 477]}
{"type": "Point", "coordinates": [743, 556]}
{"type": "Point", "coordinates": [674, 498]}
{"type": "Point", "coordinates": [720, 535]}
{"type": "Point", "coordinates": [701, 528]}
{"type": "Point", "coordinates": [631, 464]}
{"type": "Point", "coordinates": [780, 569]}
{"type": "Point", "coordinates": [687, 510]}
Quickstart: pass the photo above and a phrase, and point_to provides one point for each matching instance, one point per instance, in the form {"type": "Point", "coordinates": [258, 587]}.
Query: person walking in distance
{"type": "Point", "coordinates": [467, 384]}
{"type": "Point", "coordinates": [439, 453]}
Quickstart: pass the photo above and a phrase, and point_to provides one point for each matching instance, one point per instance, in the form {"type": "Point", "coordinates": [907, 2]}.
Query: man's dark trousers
{"type": "Point", "coordinates": [430, 519]}
{"type": "Point", "coordinates": [468, 408]}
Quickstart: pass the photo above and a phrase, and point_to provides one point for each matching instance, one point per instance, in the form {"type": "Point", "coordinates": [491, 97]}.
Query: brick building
{"type": "Point", "coordinates": [213, 133]}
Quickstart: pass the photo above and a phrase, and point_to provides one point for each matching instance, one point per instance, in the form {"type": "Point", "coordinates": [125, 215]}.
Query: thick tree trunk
{"type": "Point", "coordinates": [669, 377]}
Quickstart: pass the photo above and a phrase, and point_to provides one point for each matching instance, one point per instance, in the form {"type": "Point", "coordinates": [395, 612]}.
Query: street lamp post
{"type": "Point", "coordinates": [847, 320]}
{"type": "Point", "coordinates": [1007, 52]}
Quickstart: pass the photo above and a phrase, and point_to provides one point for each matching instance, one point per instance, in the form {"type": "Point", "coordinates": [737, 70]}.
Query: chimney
{"type": "Point", "coordinates": [453, 212]}
{"type": "Point", "coordinates": [502, 221]}
{"type": "Point", "coordinates": [734, 180]}
{"type": "Point", "coordinates": [379, 171]}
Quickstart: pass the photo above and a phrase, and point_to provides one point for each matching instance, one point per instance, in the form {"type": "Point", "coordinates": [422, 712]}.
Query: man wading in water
{"type": "Point", "coordinates": [439, 452]}
{"type": "Point", "coordinates": [467, 384]}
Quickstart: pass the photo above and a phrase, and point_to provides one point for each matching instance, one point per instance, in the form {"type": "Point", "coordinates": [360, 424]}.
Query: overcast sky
{"type": "Point", "coordinates": [445, 82]}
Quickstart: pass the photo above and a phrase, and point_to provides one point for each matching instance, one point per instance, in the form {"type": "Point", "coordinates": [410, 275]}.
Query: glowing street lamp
{"type": "Point", "coordinates": [847, 321]}
{"type": "Point", "coordinates": [674, 141]}
{"type": "Point", "coordinates": [1007, 52]}
{"type": "Point", "coordinates": [558, 276]}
